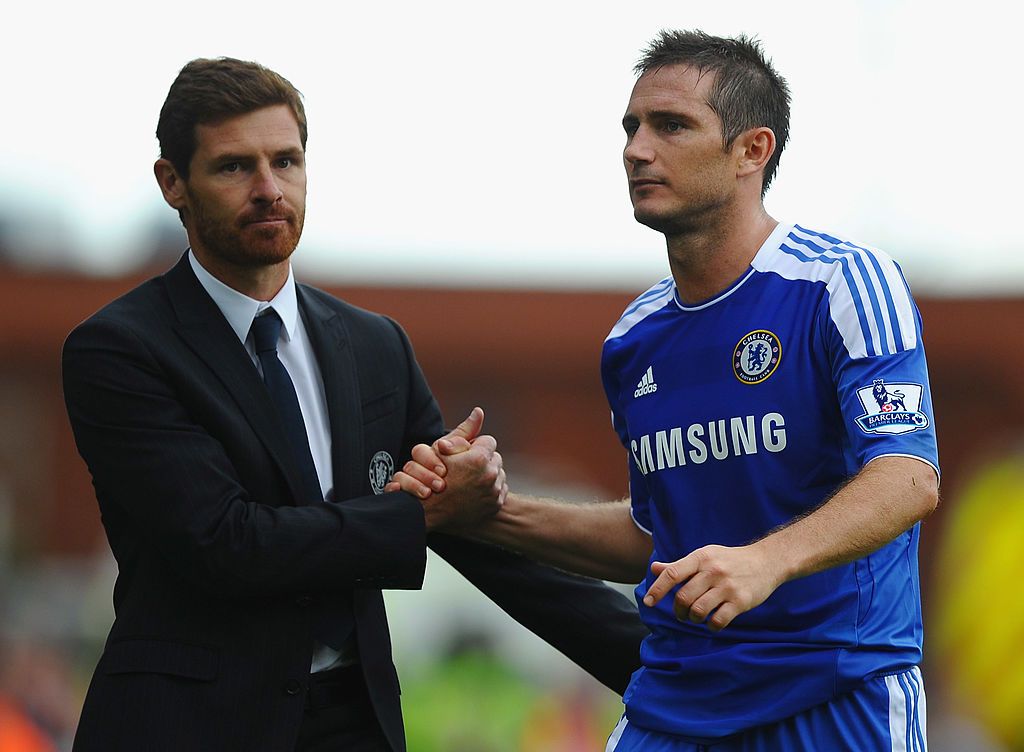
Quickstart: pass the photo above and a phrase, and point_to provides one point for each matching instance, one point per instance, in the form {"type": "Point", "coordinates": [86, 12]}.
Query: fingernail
{"type": "Point", "coordinates": [439, 469]}
{"type": "Point", "coordinates": [437, 485]}
{"type": "Point", "coordinates": [648, 600]}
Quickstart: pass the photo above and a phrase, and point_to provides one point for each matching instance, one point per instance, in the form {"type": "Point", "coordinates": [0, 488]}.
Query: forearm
{"type": "Point", "coordinates": [718, 583]}
{"type": "Point", "coordinates": [597, 539]}
{"type": "Point", "coordinates": [888, 496]}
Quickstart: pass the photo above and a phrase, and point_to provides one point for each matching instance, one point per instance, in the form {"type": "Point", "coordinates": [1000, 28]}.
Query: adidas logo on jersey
{"type": "Point", "coordinates": [646, 385]}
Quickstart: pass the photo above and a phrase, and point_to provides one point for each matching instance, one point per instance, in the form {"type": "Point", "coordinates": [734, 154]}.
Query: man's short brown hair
{"type": "Point", "coordinates": [209, 91]}
{"type": "Point", "coordinates": [747, 91]}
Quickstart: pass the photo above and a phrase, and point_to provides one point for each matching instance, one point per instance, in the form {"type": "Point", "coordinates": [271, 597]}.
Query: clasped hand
{"type": "Point", "coordinates": [459, 478]}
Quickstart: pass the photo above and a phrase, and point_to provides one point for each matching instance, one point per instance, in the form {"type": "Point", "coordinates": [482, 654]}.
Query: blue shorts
{"type": "Point", "coordinates": [887, 713]}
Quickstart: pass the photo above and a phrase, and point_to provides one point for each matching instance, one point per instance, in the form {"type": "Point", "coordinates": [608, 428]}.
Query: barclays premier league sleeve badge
{"type": "Point", "coordinates": [891, 408]}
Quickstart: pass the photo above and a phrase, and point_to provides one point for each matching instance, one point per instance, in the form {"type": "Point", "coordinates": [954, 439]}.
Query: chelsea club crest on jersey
{"type": "Point", "coordinates": [891, 408]}
{"type": "Point", "coordinates": [756, 356]}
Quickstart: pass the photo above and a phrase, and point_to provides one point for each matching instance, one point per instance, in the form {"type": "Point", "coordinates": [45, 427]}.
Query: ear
{"type": "Point", "coordinates": [753, 149]}
{"type": "Point", "coordinates": [172, 185]}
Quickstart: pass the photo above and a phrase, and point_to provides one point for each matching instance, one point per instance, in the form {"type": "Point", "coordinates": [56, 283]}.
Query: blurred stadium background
{"type": "Point", "coordinates": [463, 183]}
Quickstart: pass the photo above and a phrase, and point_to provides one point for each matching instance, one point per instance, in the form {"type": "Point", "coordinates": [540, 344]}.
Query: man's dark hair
{"type": "Point", "coordinates": [210, 91]}
{"type": "Point", "coordinates": [747, 91]}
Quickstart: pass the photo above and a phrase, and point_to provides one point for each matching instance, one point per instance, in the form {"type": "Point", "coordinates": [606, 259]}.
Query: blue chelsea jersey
{"type": "Point", "coordinates": [741, 413]}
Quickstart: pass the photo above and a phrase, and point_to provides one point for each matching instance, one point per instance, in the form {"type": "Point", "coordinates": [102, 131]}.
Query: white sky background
{"type": "Point", "coordinates": [476, 143]}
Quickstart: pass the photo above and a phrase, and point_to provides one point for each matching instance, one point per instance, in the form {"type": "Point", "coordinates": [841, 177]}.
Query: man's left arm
{"type": "Point", "coordinates": [888, 496]}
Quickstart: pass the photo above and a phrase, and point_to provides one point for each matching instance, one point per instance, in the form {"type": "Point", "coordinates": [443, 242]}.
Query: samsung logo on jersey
{"type": "Point", "coordinates": [717, 439]}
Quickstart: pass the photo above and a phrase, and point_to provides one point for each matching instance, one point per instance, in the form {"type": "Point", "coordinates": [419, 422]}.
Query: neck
{"type": "Point", "coordinates": [257, 282]}
{"type": "Point", "coordinates": [706, 260]}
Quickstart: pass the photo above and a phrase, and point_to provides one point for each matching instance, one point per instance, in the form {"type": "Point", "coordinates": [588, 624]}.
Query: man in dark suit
{"type": "Point", "coordinates": [239, 429]}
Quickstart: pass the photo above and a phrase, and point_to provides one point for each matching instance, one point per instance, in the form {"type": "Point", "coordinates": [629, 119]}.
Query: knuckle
{"type": "Point", "coordinates": [707, 560]}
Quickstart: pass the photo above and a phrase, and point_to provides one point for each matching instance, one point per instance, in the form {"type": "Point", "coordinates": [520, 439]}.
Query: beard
{"type": "Point", "coordinates": [686, 215]}
{"type": "Point", "coordinates": [670, 224]}
{"type": "Point", "coordinates": [241, 243]}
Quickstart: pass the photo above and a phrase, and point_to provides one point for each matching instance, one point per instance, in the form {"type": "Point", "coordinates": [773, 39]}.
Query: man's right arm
{"type": "Point", "coordinates": [597, 539]}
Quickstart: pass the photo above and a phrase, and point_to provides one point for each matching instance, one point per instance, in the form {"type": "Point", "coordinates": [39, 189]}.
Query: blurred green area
{"type": "Point", "coordinates": [474, 702]}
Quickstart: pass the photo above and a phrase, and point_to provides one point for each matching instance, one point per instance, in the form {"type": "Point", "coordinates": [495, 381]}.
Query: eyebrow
{"type": "Point", "coordinates": [630, 119]}
{"type": "Point", "coordinates": [670, 114]}
{"type": "Point", "coordinates": [230, 156]}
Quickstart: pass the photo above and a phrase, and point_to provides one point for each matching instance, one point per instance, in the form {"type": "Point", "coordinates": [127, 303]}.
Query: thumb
{"type": "Point", "coordinates": [446, 447]}
{"type": "Point", "coordinates": [470, 428]}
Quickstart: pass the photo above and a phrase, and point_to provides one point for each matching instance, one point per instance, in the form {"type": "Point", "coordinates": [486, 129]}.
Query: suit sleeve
{"type": "Point", "coordinates": [164, 482]}
{"type": "Point", "coordinates": [593, 625]}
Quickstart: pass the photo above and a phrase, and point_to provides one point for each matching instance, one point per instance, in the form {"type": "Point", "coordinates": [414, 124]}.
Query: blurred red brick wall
{"type": "Point", "coordinates": [529, 358]}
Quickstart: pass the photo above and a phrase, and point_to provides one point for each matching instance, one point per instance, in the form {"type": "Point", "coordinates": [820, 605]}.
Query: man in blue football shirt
{"type": "Point", "coordinates": [772, 396]}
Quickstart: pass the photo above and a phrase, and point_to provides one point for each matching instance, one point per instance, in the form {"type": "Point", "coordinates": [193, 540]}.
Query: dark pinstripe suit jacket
{"type": "Point", "coordinates": [210, 647]}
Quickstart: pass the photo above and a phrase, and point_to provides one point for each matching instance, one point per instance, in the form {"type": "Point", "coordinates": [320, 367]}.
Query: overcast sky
{"type": "Point", "coordinates": [480, 143]}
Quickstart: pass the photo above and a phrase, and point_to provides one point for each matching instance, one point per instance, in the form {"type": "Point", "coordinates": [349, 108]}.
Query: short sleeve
{"type": "Point", "coordinates": [885, 399]}
{"type": "Point", "coordinates": [640, 501]}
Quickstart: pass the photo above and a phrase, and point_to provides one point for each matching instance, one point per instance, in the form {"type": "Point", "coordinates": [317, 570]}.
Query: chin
{"type": "Point", "coordinates": [659, 222]}
{"type": "Point", "coordinates": [253, 253]}
{"type": "Point", "coordinates": [264, 247]}
{"type": "Point", "coordinates": [249, 247]}
{"type": "Point", "coordinates": [266, 254]}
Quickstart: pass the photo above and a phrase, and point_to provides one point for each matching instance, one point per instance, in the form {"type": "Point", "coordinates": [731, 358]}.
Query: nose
{"type": "Point", "coordinates": [638, 149]}
{"type": "Point", "coordinates": [265, 189]}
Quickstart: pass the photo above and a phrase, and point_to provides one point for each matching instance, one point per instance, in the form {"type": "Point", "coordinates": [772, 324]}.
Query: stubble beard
{"type": "Point", "coordinates": [692, 215]}
{"type": "Point", "coordinates": [679, 222]}
{"type": "Point", "coordinates": [245, 245]}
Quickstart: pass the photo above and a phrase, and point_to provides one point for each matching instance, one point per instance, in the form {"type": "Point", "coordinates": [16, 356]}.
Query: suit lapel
{"type": "Point", "coordinates": [334, 353]}
{"type": "Point", "coordinates": [206, 332]}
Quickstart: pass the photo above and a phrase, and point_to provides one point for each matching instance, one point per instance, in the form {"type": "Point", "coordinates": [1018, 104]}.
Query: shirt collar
{"type": "Point", "coordinates": [240, 310]}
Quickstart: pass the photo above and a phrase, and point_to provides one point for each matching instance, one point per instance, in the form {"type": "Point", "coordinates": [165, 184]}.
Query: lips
{"type": "Point", "coordinates": [643, 182]}
{"type": "Point", "coordinates": [266, 220]}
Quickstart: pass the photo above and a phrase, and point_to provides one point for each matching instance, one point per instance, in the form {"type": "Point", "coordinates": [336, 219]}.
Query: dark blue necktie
{"type": "Point", "coordinates": [333, 621]}
{"type": "Point", "coordinates": [266, 330]}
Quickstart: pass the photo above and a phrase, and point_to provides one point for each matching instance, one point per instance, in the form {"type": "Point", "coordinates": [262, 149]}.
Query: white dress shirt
{"type": "Point", "coordinates": [296, 353]}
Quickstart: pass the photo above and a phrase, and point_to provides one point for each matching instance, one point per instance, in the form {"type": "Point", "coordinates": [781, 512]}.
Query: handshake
{"type": "Point", "coordinates": [459, 479]}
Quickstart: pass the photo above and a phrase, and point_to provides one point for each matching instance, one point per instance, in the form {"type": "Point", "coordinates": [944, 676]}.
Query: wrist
{"type": "Point", "coordinates": [429, 520]}
{"type": "Point", "coordinates": [777, 559]}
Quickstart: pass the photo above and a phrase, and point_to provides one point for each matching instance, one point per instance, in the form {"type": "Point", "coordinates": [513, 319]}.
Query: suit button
{"type": "Point", "coordinates": [292, 688]}
{"type": "Point", "coordinates": [304, 600]}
